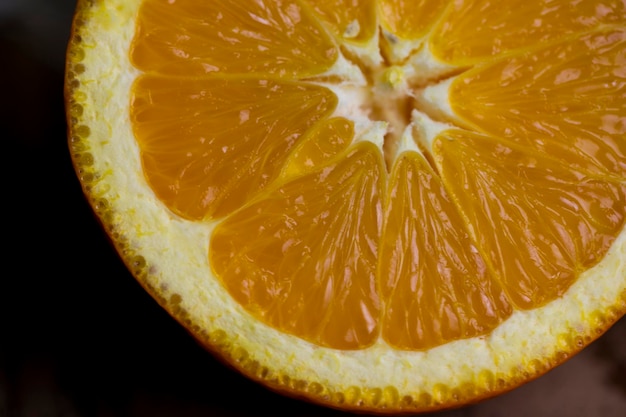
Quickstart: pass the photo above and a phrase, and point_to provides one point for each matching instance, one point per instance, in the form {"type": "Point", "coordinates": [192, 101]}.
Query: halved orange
{"type": "Point", "coordinates": [393, 206]}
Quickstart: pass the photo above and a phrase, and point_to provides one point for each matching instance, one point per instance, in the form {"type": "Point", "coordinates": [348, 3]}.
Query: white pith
{"type": "Point", "coordinates": [388, 83]}
{"type": "Point", "coordinates": [182, 267]}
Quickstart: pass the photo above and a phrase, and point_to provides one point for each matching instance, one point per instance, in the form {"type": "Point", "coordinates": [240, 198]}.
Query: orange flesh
{"type": "Point", "coordinates": [315, 238]}
{"type": "Point", "coordinates": [309, 252]}
{"type": "Point", "coordinates": [550, 99]}
{"type": "Point", "coordinates": [436, 285]}
{"type": "Point", "coordinates": [410, 19]}
{"type": "Point", "coordinates": [187, 126]}
{"type": "Point", "coordinates": [230, 37]}
{"type": "Point", "coordinates": [527, 23]}
{"type": "Point", "coordinates": [348, 19]}
{"type": "Point", "coordinates": [539, 222]}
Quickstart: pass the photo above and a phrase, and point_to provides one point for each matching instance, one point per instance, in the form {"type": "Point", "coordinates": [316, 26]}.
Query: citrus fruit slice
{"type": "Point", "coordinates": [383, 205]}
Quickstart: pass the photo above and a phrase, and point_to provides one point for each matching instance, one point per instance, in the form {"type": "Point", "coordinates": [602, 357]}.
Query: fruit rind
{"type": "Point", "coordinates": [379, 378]}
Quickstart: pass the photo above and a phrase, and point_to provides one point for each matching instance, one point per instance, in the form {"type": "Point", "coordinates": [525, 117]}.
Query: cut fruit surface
{"type": "Point", "coordinates": [549, 99]}
{"type": "Point", "coordinates": [496, 30]}
{"type": "Point", "coordinates": [203, 173]}
{"type": "Point", "coordinates": [226, 36]}
{"type": "Point", "coordinates": [308, 249]}
{"type": "Point", "coordinates": [391, 205]}
{"type": "Point", "coordinates": [546, 222]}
{"type": "Point", "coordinates": [436, 284]}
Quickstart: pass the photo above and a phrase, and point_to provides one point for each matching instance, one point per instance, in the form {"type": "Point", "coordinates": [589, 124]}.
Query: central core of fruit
{"type": "Point", "coordinates": [391, 101]}
{"type": "Point", "coordinates": [387, 102]}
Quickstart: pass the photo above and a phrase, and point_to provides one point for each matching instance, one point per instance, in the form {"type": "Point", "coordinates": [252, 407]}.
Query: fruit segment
{"type": "Point", "coordinates": [351, 20]}
{"type": "Point", "coordinates": [537, 221]}
{"type": "Point", "coordinates": [208, 145]}
{"type": "Point", "coordinates": [567, 100]}
{"type": "Point", "coordinates": [302, 257]}
{"type": "Point", "coordinates": [410, 19]}
{"type": "Point", "coordinates": [435, 285]}
{"type": "Point", "coordinates": [472, 30]}
{"type": "Point", "coordinates": [322, 143]}
{"type": "Point", "coordinates": [191, 38]}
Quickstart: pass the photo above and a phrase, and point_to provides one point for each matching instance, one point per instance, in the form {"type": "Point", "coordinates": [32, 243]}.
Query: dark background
{"type": "Point", "coordinates": [79, 337]}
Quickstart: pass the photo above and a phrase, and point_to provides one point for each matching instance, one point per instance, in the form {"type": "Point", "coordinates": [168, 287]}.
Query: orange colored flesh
{"type": "Point", "coordinates": [186, 127]}
{"type": "Point", "coordinates": [230, 37]}
{"type": "Point", "coordinates": [315, 238]}
{"type": "Point", "coordinates": [322, 143]}
{"type": "Point", "coordinates": [435, 283]}
{"type": "Point", "coordinates": [303, 255]}
{"type": "Point", "coordinates": [567, 100]}
{"type": "Point", "coordinates": [527, 23]}
{"type": "Point", "coordinates": [348, 19]}
{"type": "Point", "coordinates": [410, 19]}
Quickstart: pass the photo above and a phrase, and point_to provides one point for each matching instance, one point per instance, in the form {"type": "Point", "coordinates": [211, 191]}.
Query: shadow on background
{"type": "Point", "coordinates": [79, 337]}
